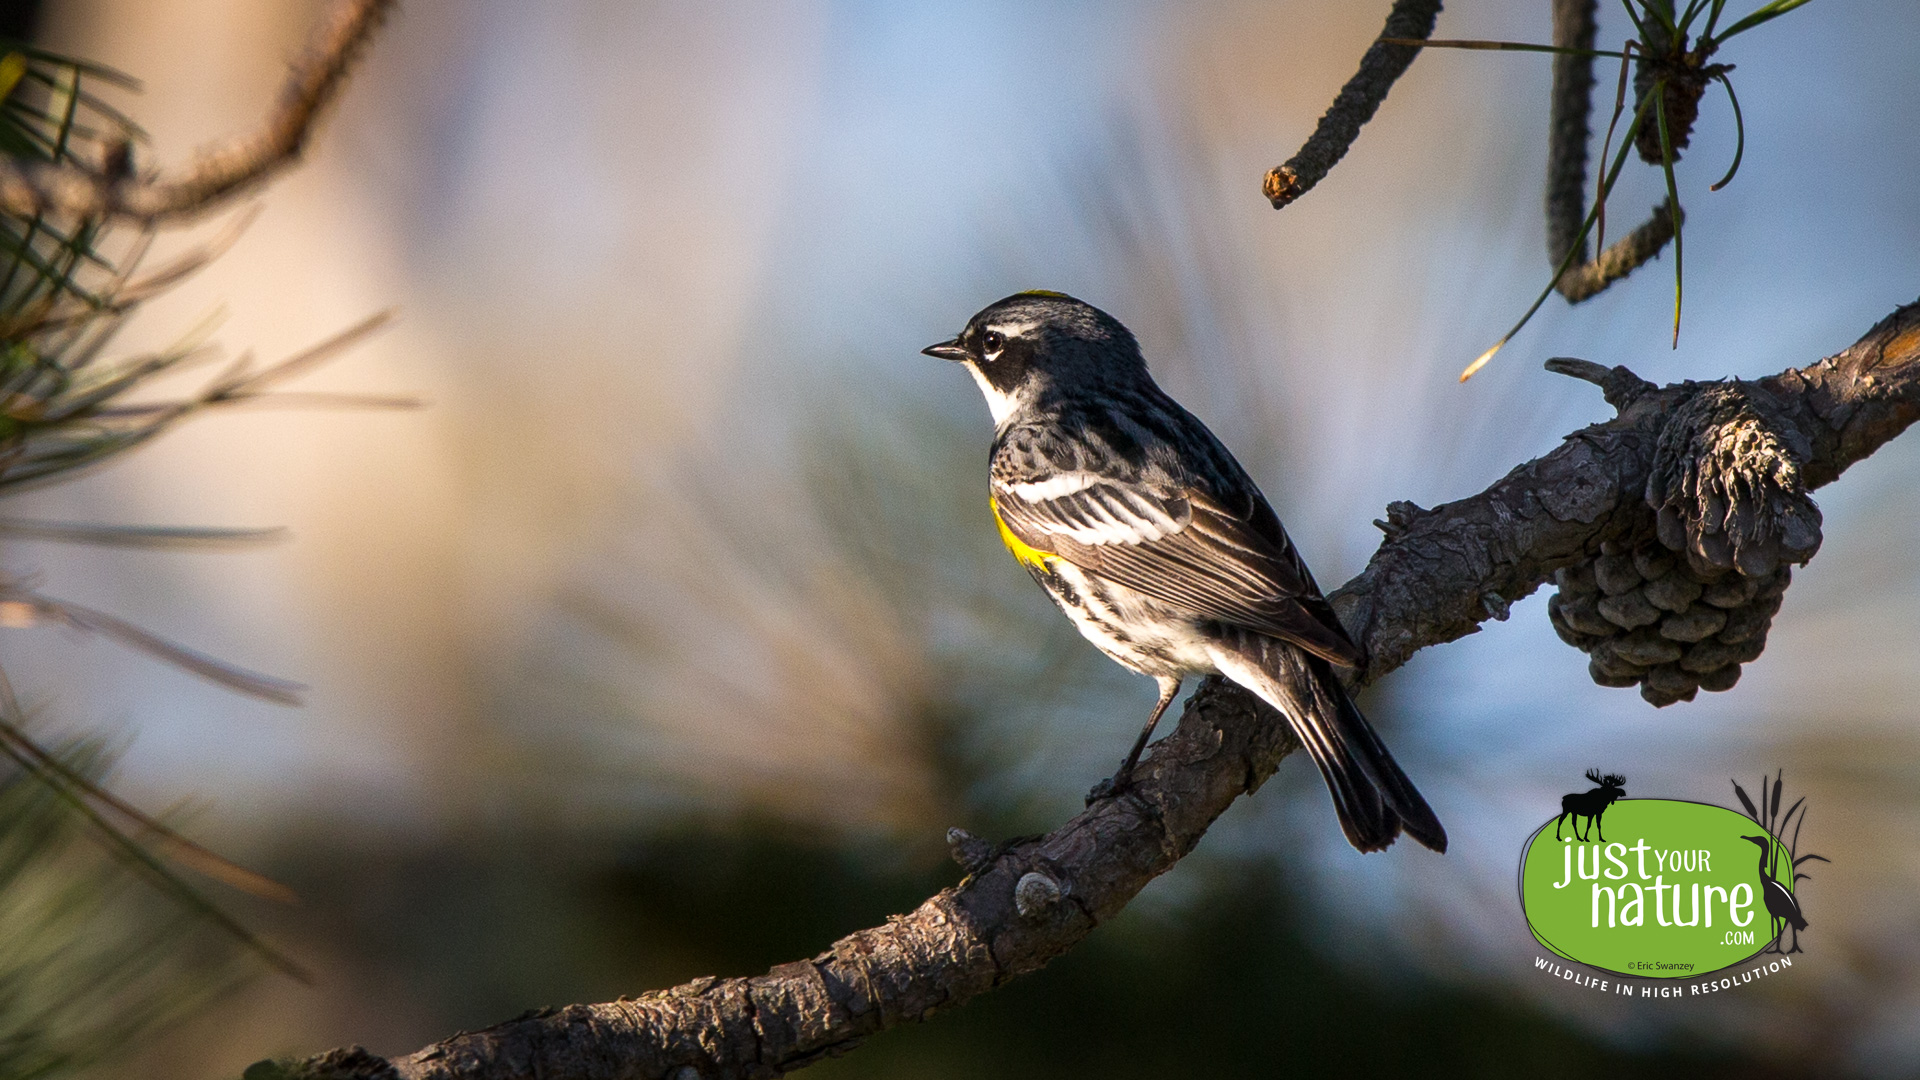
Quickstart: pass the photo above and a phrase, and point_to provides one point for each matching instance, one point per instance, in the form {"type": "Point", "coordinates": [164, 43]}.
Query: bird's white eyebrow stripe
{"type": "Point", "coordinates": [1053, 487]}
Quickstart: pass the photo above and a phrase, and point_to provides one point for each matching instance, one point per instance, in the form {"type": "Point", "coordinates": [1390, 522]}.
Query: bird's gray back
{"type": "Point", "coordinates": [1133, 435]}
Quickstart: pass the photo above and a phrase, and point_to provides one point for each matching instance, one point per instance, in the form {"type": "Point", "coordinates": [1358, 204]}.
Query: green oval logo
{"type": "Point", "coordinates": [1668, 889]}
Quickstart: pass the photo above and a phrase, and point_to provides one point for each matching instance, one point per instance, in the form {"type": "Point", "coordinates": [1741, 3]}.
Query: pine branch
{"type": "Point", "coordinates": [1438, 575]}
{"type": "Point", "coordinates": [29, 188]}
{"type": "Point", "coordinates": [1380, 67]}
{"type": "Point", "coordinates": [1574, 28]}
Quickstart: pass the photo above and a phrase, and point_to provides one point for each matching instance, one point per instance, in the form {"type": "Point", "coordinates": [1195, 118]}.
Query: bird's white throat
{"type": "Point", "coordinates": [999, 403]}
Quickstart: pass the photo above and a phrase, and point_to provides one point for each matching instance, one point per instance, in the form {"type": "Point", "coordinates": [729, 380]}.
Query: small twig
{"type": "Point", "coordinates": [1383, 63]}
{"type": "Point", "coordinates": [1574, 27]}
{"type": "Point", "coordinates": [1622, 257]}
{"type": "Point", "coordinates": [218, 172]}
{"type": "Point", "coordinates": [1618, 385]}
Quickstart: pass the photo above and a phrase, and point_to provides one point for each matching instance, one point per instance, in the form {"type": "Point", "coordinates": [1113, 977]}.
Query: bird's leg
{"type": "Point", "coordinates": [1169, 687]}
{"type": "Point", "coordinates": [1117, 783]}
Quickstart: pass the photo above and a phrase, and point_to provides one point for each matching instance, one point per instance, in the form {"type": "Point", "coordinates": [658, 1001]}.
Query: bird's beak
{"type": "Point", "coordinates": [947, 350]}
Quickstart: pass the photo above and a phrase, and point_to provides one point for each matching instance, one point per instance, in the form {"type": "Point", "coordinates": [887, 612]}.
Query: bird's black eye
{"type": "Point", "coordinates": [991, 343]}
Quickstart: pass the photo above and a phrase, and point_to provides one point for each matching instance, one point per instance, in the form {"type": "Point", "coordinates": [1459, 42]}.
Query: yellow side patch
{"type": "Point", "coordinates": [13, 68]}
{"type": "Point", "coordinates": [1028, 556]}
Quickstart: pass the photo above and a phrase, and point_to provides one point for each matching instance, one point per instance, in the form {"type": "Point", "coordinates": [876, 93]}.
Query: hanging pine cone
{"type": "Point", "coordinates": [1649, 619]}
{"type": "Point", "coordinates": [1680, 611]}
{"type": "Point", "coordinates": [1684, 75]}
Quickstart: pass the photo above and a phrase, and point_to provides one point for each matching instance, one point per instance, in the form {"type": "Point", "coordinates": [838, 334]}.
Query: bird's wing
{"type": "Point", "coordinates": [1230, 564]}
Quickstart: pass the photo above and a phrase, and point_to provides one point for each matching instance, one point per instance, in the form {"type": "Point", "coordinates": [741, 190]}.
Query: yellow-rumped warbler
{"type": "Point", "coordinates": [1158, 546]}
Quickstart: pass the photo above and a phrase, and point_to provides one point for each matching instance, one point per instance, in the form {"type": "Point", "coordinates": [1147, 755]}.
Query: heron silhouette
{"type": "Point", "coordinates": [1783, 910]}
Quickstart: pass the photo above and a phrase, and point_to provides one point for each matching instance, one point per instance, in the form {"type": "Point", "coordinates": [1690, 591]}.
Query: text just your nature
{"type": "Point", "coordinates": [1626, 903]}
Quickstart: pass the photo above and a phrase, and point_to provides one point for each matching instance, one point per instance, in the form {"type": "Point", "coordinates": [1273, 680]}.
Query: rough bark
{"type": "Point", "coordinates": [1436, 577]}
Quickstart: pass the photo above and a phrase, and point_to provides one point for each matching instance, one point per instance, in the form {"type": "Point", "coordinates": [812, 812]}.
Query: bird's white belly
{"type": "Point", "coordinates": [1137, 631]}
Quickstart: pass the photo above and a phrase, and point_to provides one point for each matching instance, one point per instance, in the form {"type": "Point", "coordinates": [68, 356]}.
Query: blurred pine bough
{"type": "Point", "coordinates": [89, 962]}
{"type": "Point", "coordinates": [67, 285]}
{"type": "Point", "coordinates": [102, 943]}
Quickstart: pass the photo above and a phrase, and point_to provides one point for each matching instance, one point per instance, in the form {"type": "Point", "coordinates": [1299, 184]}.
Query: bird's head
{"type": "Point", "coordinates": [1765, 842]}
{"type": "Point", "coordinates": [1018, 346]}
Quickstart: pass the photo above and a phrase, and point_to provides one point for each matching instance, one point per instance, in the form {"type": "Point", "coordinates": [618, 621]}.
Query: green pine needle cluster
{"type": "Point", "coordinates": [66, 286]}
{"type": "Point", "coordinates": [1670, 55]}
{"type": "Point", "coordinates": [100, 945]}
{"type": "Point", "coordinates": [91, 960]}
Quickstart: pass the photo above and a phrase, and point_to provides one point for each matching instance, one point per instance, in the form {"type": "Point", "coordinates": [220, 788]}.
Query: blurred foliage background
{"type": "Point", "coordinates": [669, 641]}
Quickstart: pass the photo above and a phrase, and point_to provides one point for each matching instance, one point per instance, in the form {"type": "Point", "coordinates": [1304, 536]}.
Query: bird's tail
{"type": "Point", "coordinates": [1374, 799]}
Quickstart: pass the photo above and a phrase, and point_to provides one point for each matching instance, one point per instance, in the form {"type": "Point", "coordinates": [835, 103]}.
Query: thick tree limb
{"type": "Point", "coordinates": [1446, 570]}
{"type": "Point", "coordinates": [1438, 575]}
{"type": "Point", "coordinates": [218, 172]}
{"type": "Point", "coordinates": [1356, 103]}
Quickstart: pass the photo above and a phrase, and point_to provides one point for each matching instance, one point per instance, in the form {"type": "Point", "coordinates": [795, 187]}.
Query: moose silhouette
{"type": "Point", "coordinates": [1590, 804]}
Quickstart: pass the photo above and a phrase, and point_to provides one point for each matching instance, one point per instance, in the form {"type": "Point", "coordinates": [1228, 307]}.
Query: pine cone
{"type": "Point", "coordinates": [1686, 75]}
{"type": "Point", "coordinates": [1679, 611]}
{"type": "Point", "coordinates": [1649, 619]}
